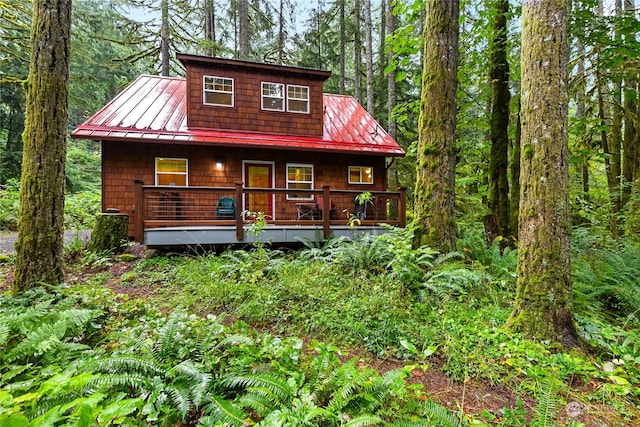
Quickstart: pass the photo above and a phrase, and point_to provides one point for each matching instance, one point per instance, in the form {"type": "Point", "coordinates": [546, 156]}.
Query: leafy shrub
{"type": "Point", "coordinates": [9, 205]}
{"type": "Point", "coordinates": [80, 210]}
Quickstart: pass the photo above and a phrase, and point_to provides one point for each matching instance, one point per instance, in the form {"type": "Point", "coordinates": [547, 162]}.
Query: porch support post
{"type": "Point", "coordinates": [138, 211]}
{"type": "Point", "coordinates": [239, 225]}
{"type": "Point", "coordinates": [326, 211]}
{"type": "Point", "coordinates": [402, 207]}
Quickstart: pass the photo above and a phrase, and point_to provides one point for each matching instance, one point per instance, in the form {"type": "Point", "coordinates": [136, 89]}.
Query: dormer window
{"type": "Point", "coordinates": [218, 91]}
{"type": "Point", "coordinates": [298, 99]}
{"type": "Point", "coordinates": [272, 96]}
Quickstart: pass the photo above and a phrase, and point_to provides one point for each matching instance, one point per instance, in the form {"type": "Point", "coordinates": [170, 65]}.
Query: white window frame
{"type": "Point", "coordinates": [270, 96]}
{"type": "Point", "coordinates": [185, 173]}
{"type": "Point", "coordinates": [289, 182]}
{"type": "Point", "coordinates": [228, 92]}
{"type": "Point", "coordinates": [362, 169]}
{"type": "Point", "coordinates": [294, 98]}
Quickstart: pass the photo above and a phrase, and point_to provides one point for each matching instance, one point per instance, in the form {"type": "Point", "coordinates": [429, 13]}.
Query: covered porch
{"type": "Point", "coordinates": [165, 216]}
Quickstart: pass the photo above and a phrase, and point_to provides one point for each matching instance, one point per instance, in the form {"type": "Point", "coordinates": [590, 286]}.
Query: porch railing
{"type": "Point", "coordinates": [169, 206]}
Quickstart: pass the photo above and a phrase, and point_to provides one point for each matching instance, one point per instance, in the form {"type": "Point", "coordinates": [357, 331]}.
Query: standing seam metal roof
{"type": "Point", "coordinates": [153, 109]}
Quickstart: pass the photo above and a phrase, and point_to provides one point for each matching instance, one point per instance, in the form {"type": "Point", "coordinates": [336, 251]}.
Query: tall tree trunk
{"type": "Point", "coordinates": [41, 220]}
{"type": "Point", "coordinates": [343, 42]}
{"type": "Point", "coordinates": [391, 77]}
{"type": "Point", "coordinates": [392, 129]}
{"type": "Point", "coordinates": [631, 150]}
{"type": "Point", "coordinates": [368, 47]}
{"type": "Point", "coordinates": [543, 307]}
{"type": "Point", "coordinates": [435, 184]}
{"type": "Point", "coordinates": [357, 45]}
{"type": "Point", "coordinates": [244, 29]}
{"type": "Point", "coordinates": [515, 176]}
{"type": "Point", "coordinates": [499, 122]}
{"type": "Point", "coordinates": [580, 116]}
{"type": "Point", "coordinates": [210, 26]}
{"type": "Point", "coordinates": [164, 39]}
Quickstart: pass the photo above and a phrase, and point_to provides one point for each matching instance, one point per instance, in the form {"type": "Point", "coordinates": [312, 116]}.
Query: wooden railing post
{"type": "Point", "coordinates": [138, 211]}
{"type": "Point", "coordinates": [239, 224]}
{"type": "Point", "coordinates": [402, 207]}
{"type": "Point", "coordinates": [326, 211]}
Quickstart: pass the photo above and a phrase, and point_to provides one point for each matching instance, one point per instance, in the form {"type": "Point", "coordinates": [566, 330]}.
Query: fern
{"type": "Point", "coordinates": [441, 416]}
{"type": "Point", "coordinates": [363, 420]}
{"type": "Point", "coordinates": [220, 410]}
{"type": "Point", "coordinates": [265, 384]}
{"type": "Point", "coordinates": [548, 404]}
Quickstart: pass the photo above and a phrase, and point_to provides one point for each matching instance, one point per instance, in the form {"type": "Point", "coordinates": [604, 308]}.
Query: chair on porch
{"type": "Point", "coordinates": [333, 214]}
{"type": "Point", "coordinates": [226, 208]}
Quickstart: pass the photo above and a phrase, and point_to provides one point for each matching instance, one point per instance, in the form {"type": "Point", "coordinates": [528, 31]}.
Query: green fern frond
{"type": "Point", "coordinates": [440, 415]}
{"type": "Point", "coordinates": [548, 404]}
{"type": "Point", "coordinates": [363, 420]}
{"type": "Point", "coordinates": [197, 381]}
{"type": "Point", "coordinates": [260, 403]}
{"type": "Point", "coordinates": [403, 423]}
{"type": "Point", "coordinates": [131, 381]}
{"type": "Point", "coordinates": [4, 334]}
{"type": "Point", "coordinates": [181, 397]}
{"type": "Point", "coordinates": [220, 410]}
{"type": "Point", "coordinates": [262, 384]}
{"type": "Point", "coordinates": [119, 364]}
{"type": "Point", "coordinates": [168, 338]}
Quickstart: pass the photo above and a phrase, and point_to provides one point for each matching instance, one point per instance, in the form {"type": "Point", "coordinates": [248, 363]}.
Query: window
{"type": "Point", "coordinates": [272, 96]}
{"type": "Point", "coordinates": [171, 172]}
{"type": "Point", "coordinates": [218, 91]}
{"type": "Point", "coordinates": [300, 176]}
{"type": "Point", "coordinates": [360, 175]}
{"type": "Point", "coordinates": [297, 99]}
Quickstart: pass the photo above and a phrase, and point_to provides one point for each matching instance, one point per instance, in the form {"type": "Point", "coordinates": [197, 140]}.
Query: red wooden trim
{"type": "Point", "coordinates": [138, 210]}
{"type": "Point", "coordinates": [239, 204]}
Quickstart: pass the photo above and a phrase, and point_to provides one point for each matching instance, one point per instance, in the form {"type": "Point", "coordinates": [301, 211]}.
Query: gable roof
{"type": "Point", "coordinates": [154, 109]}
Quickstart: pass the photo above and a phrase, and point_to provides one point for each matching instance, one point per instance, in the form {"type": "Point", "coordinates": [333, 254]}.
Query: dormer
{"type": "Point", "coordinates": [240, 95]}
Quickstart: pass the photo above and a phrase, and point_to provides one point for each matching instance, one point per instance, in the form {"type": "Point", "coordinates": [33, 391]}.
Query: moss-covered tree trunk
{"type": "Point", "coordinates": [434, 218]}
{"type": "Point", "coordinates": [544, 306]}
{"type": "Point", "coordinates": [41, 218]}
{"type": "Point", "coordinates": [499, 122]}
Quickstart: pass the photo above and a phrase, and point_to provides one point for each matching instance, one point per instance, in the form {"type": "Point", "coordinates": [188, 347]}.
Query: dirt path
{"type": "Point", "coordinates": [8, 239]}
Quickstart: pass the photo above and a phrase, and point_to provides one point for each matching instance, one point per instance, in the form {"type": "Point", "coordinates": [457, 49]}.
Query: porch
{"type": "Point", "coordinates": [194, 216]}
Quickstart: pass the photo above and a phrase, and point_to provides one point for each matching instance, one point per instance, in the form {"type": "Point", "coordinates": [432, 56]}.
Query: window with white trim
{"type": "Point", "coordinates": [360, 175]}
{"type": "Point", "coordinates": [297, 99]}
{"type": "Point", "coordinates": [272, 96]}
{"type": "Point", "coordinates": [172, 171]}
{"type": "Point", "coordinates": [218, 91]}
{"type": "Point", "coordinates": [300, 176]}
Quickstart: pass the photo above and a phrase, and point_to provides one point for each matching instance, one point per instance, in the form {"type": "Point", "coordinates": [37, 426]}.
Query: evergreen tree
{"type": "Point", "coordinates": [543, 307]}
{"type": "Point", "coordinates": [435, 185]}
{"type": "Point", "coordinates": [41, 218]}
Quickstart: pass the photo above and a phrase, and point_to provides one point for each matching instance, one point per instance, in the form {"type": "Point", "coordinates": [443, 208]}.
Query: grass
{"type": "Point", "coordinates": [387, 304]}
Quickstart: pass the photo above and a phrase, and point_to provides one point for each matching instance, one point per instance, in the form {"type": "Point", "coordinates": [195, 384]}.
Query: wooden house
{"type": "Point", "coordinates": [196, 160]}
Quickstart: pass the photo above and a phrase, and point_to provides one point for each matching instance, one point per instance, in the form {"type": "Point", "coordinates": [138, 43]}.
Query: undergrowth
{"type": "Point", "coordinates": [231, 353]}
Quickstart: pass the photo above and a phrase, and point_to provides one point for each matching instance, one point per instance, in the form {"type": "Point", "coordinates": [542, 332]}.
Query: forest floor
{"type": "Point", "coordinates": [472, 396]}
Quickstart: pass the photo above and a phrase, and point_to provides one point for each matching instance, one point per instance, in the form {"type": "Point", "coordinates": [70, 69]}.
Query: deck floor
{"type": "Point", "coordinates": [226, 235]}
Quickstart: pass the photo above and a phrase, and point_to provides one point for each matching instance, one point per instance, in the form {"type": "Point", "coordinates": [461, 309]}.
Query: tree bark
{"type": "Point", "coordinates": [515, 177]}
{"type": "Point", "coordinates": [499, 122]}
{"type": "Point", "coordinates": [210, 26]}
{"type": "Point", "coordinates": [368, 48]}
{"type": "Point", "coordinates": [631, 147]}
{"type": "Point", "coordinates": [110, 233]}
{"type": "Point", "coordinates": [343, 42]}
{"type": "Point", "coordinates": [164, 39]}
{"type": "Point", "coordinates": [435, 184]}
{"type": "Point", "coordinates": [244, 29]}
{"type": "Point", "coordinates": [357, 45]}
{"type": "Point", "coordinates": [41, 220]}
{"type": "Point", "coordinates": [543, 307]}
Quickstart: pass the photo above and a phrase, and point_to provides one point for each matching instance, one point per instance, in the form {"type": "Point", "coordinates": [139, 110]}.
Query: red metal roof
{"type": "Point", "coordinates": [154, 109]}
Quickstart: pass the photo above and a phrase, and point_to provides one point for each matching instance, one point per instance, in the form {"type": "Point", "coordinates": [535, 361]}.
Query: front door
{"type": "Point", "coordinates": [260, 175]}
